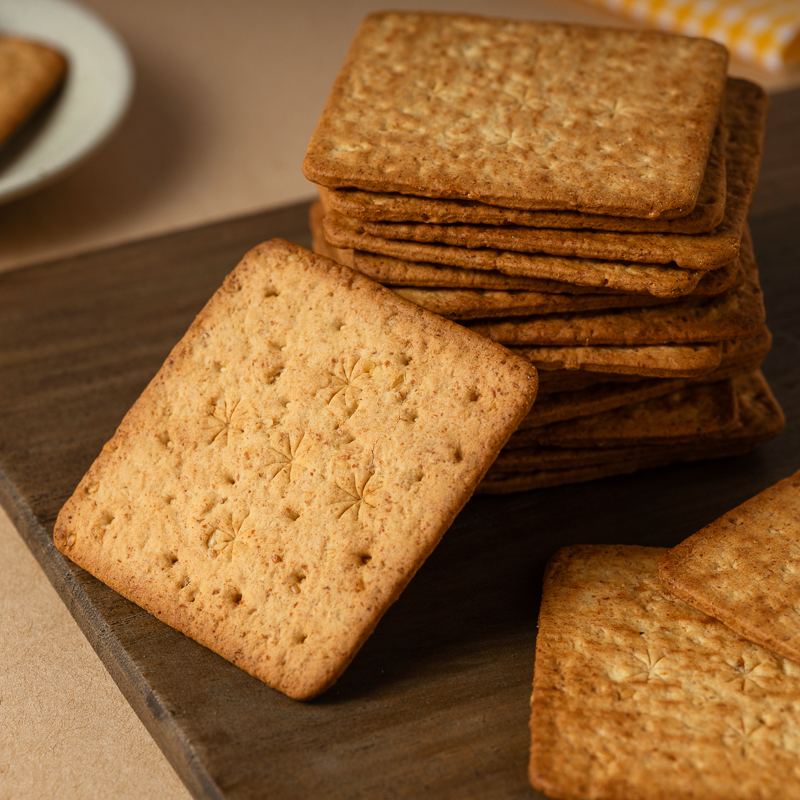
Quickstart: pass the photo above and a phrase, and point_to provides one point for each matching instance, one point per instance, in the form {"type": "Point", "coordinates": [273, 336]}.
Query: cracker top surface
{"type": "Point", "coordinates": [522, 114]}
{"type": "Point", "coordinates": [742, 568]}
{"type": "Point", "coordinates": [297, 457]}
{"type": "Point", "coordinates": [638, 695]}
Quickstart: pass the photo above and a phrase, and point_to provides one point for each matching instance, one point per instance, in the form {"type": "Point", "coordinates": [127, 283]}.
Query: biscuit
{"type": "Point", "coordinates": [385, 207]}
{"type": "Point", "coordinates": [399, 272]}
{"type": "Point", "coordinates": [741, 569]}
{"type": "Point", "coordinates": [652, 361]}
{"type": "Point", "coordinates": [746, 110]}
{"type": "Point", "coordinates": [690, 414]}
{"type": "Point", "coordinates": [557, 406]}
{"type": "Point", "coordinates": [540, 115]}
{"type": "Point", "coordinates": [637, 696]}
{"type": "Point", "coordinates": [760, 418]}
{"type": "Point", "coordinates": [29, 73]}
{"type": "Point", "coordinates": [656, 279]}
{"type": "Point", "coordinates": [739, 314]}
{"type": "Point", "coordinates": [292, 464]}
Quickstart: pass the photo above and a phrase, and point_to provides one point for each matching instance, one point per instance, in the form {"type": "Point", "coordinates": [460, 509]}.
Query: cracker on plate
{"type": "Point", "coordinates": [522, 114]}
{"type": "Point", "coordinates": [29, 73]}
{"type": "Point", "coordinates": [292, 464]}
{"type": "Point", "coordinates": [742, 569]}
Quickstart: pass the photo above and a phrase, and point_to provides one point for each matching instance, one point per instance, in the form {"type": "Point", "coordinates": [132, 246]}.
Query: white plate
{"type": "Point", "coordinates": [96, 94]}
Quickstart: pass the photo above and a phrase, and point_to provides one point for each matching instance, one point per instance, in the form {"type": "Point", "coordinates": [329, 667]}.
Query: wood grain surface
{"type": "Point", "coordinates": [436, 704]}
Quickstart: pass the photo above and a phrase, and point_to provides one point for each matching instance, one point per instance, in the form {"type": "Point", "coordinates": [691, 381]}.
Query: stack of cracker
{"type": "Point", "coordinates": [578, 195]}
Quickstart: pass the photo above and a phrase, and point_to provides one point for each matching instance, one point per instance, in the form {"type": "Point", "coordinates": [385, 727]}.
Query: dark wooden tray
{"type": "Point", "coordinates": [436, 703]}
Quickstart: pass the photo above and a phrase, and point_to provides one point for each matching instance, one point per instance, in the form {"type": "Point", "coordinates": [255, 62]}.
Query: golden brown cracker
{"type": "Point", "coordinates": [292, 464]}
{"type": "Point", "coordinates": [522, 114]}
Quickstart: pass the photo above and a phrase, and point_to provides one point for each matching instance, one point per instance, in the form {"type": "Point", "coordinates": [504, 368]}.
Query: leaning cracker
{"type": "Point", "coordinates": [741, 568]}
{"type": "Point", "coordinates": [746, 109]}
{"type": "Point", "coordinates": [292, 464]}
{"type": "Point", "coordinates": [540, 114]}
{"type": "Point", "coordinates": [637, 696]}
{"type": "Point", "coordinates": [29, 73]}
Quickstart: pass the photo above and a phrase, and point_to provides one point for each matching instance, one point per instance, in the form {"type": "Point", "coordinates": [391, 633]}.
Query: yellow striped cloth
{"type": "Point", "coordinates": [765, 32]}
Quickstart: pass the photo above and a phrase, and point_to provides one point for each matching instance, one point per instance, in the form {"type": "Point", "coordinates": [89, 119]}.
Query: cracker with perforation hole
{"type": "Point", "coordinates": [746, 110]}
{"type": "Point", "coordinates": [29, 73]}
{"type": "Point", "coordinates": [292, 464]}
{"type": "Point", "coordinates": [743, 568]}
{"type": "Point", "coordinates": [387, 207]}
{"type": "Point", "coordinates": [638, 696]}
{"type": "Point", "coordinates": [522, 114]}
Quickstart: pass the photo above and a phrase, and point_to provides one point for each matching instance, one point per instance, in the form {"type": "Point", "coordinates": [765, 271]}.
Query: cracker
{"type": "Point", "coordinates": [386, 207]}
{"type": "Point", "coordinates": [540, 115]}
{"type": "Point", "coordinates": [760, 417]}
{"type": "Point", "coordinates": [466, 304]}
{"type": "Point", "coordinates": [292, 464]}
{"type": "Point", "coordinates": [656, 361]}
{"type": "Point", "coordinates": [657, 279]}
{"type": "Point", "coordinates": [747, 111]}
{"type": "Point", "coordinates": [398, 272]}
{"type": "Point", "coordinates": [686, 415]}
{"type": "Point", "coordinates": [737, 315]}
{"type": "Point", "coordinates": [29, 73]}
{"type": "Point", "coordinates": [637, 696]}
{"type": "Point", "coordinates": [741, 569]}
{"type": "Point", "coordinates": [557, 406]}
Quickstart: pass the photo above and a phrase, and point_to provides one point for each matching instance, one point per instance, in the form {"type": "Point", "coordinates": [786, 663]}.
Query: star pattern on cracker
{"type": "Point", "coordinates": [742, 735]}
{"type": "Point", "coordinates": [225, 535]}
{"type": "Point", "coordinates": [221, 421]}
{"type": "Point", "coordinates": [349, 376]}
{"type": "Point", "coordinates": [356, 489]}
{"type": "Point", "coordinates": [650, 666]}
{"type": "Point", "coordinates": [282, 455]}
{"type": "Point", "coordinates": [750, 673]}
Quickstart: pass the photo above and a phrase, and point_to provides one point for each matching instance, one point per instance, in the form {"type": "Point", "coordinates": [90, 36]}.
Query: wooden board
{"type": "Point", "coordinates": [436, 703]}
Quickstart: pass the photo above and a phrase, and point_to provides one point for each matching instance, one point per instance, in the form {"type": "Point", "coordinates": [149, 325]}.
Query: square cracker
{"type": "Point", "coordinates": [746, 113]}
{"type": "Point", "coordinates": [387, 207]}
{"type": "Point", "coordinates": [742, 568]}
{"type": "Point", "coordinates": [292, 464]}
{"type": "Point", "coordinates": [739, 314]}
{"type": "Point", "coordinates": [398, 272]}
{"type": "Point", "coordinates": [29, 73]}
{"type": "Point", "coordinates": [638, 696]}
{"type": "Point", "coordinates": [522, 114]}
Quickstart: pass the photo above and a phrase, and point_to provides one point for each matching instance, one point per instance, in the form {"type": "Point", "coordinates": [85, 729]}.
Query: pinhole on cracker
{"type": "Point", "coordinates": [292, 464]}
